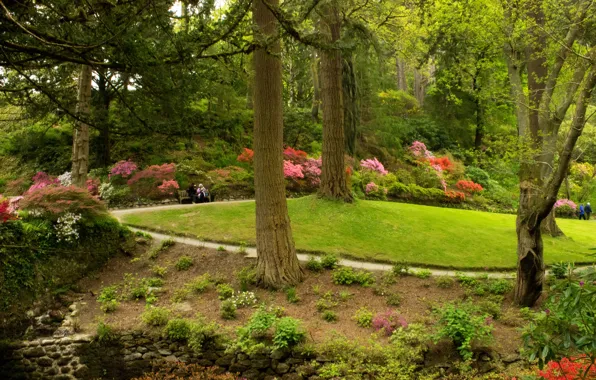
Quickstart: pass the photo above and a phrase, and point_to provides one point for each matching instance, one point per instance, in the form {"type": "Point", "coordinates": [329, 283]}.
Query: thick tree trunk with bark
{"type": "Point", "coordinates": [350, 98]}
{"type": "Point", "coordinates": [316, 96]}
{"type": "Point", "coordinates": [333, 176]}
{"type": "Point", "coordinates": [420, 83]}
{"type": "Point", "coordinates": [530, 262]}
{"type": "Point", "coordinates": [277, 263]}
{"type": "Point", "coordinates": [80, 151]}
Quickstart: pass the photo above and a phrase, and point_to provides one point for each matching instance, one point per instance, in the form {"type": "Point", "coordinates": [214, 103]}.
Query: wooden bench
{"type": "Point", "coordinates": [183, 195]}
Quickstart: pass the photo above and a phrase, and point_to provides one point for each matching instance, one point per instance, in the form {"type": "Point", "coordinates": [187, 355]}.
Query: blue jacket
{"type": "Point", "coordinates": [581, 209]}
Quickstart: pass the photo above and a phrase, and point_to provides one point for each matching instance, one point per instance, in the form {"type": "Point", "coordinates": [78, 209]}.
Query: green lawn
{"type": "Point", "coordinates": [386, 231]}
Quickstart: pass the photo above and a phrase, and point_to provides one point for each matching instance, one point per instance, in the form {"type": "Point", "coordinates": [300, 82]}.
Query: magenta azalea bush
{"type": "Point", "coordinates": [169, 187]}
{"type": "Point", "coordinates": [41, 180]}
{"type": "Point", "coordinates": [123, 169]}
{"type": "Point", "coordinates": [371, 187]}
{"type": "Point", "coordinates": [388, 322]}
{"type": "Point", "coordinates": [312, 171]}
{"type": "Point", "coordinates": [418, 150]}
{"type": "Point", "coordinates": [374, 165]}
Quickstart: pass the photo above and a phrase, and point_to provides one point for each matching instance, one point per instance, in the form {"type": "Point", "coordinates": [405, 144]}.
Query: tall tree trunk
{"type": "Point", "coordinates": [350, 97]}
{"type": "Point", "coordinates": [402, 82]}
{"type": "Point", "coordinates": [479, 116]}
{"type": "Point", "coordinates": [420, 83]}
{"type": "Point", "coordinates": [316, 96]}
{"type": "Point", "coordinates": [333, 176]}
{"type": "Point", "coordinates": [104, 122]}
{"type": "Point", "coordinates": [514, 70]}
{"type": "Point", "coordinates": [277, 263]}
{"type": "Point", "coordinates": [80, 151]}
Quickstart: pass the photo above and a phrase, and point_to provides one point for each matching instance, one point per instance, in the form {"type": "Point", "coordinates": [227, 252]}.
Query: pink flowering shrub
{"type": "Point", "coordinates": [123, 169]}
{"type": "Point", "coordinates": [312, 171]}
{"type": "Point", "coordinates": [565, 202]}
{"type": "Point", "coordinates": [93, 186]}
{"type": "Point", "coordinates": [54, 201]}
{"type": "Point", "coordinates": [371, 187]}
{"type": "Point", "coordinates": [292, 171]}
{"type": "Point", "coordinates": [14, 204]}
{"type": "Point", "coordinates": [374, 165]}
{"type": "Point", "coordinates": [41, 180]}
{"type": "Point", "coordinates": [168, 187]}
{"type": "Point", "coordinates": [145, 183]}
{"type": "Point", "coordinates": [418, 150]}
{"type": "Point", "coordinates": [388, 322]}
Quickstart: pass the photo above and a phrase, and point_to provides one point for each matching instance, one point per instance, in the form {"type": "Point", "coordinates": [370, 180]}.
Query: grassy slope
{"type": "Point", "coordinates": [381, 231]}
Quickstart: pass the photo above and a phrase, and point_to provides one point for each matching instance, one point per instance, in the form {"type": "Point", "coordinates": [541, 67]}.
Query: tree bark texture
{"type": "Point", "coordinates": [277, 263]}
{"type": "Point", "coordinates": [104, 113]}
{"type": "Point", "coordinates": [333, 176]}
{"type": "Point", "coordinates": [316, 96]}
{"type": "Point", "coordinates": [402, 82]}
{"type": "Point", "coordinates": [420, 83]}
{"type": "Point", "coordinates": [350, 97]}
{"type": "Point", "coordinates": [80, 151]}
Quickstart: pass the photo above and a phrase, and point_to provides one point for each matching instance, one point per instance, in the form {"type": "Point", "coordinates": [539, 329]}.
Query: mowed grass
{"type": "Point", "coordinates": [381, 231]}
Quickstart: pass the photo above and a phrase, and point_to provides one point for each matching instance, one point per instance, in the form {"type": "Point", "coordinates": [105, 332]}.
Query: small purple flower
{"type": "Point", "coordinates": [547, 311]}
{"type": "Point", "coordinates": [581, 283]}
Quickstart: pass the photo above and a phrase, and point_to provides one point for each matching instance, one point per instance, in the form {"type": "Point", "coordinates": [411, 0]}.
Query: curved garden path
{"type": "Point", "coordinates": [252, 252]}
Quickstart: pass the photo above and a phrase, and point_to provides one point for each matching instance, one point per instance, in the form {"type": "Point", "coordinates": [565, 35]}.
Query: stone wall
{"type": "Point", "coordinates": [130, 355]}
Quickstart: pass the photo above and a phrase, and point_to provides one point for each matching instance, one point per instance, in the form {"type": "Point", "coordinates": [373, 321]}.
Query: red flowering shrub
{"type": "Point", "coordinates": [53, 201]}
{"type": "Point", "coordinates": [569, 369]}
{"type": "Point", "coordinates": [145, 183]}
{"type": "Point", "coordinates": [442, 162]}
{"type": "Point", "coordinates": [455, 196]}
{"type": "Point", "coordinates": [469, 187]}
{"type": "Point", "coordinates": [6, 213]}
{"type": "Point", "coordinates": [246, 156]}
{"type": "Point", "coordinates": [294, 155]}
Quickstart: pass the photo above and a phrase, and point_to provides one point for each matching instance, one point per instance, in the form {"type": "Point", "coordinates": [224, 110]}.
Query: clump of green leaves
{"type": "Point", "coordinates": [201, 283]}
{"type": "Point", "coordinates": [221, 248]}
{"type": "Point", "coordinates": [288, 333]}
{"type": "Point", "coordinates": [266, 328]}
{"type": "Point", "coordinates": [393, 299]}
{"type": "Point", "coordinates": [330, 316]}
{"type": "Point", "coordinates": [465, 280]}
{"type": "Point", "coordinates": [348, 276]}
{"type": "Point", "coordinates": [401, 268]}
{"type": "Point", "coordinates": [159, 271]}
{"type": "Point", "coordinates": [178, 329]}
{"type": "Point", "coordinates": [155, 316]}
{"type": "Point", "coordinates": [227, 309]}
{"type": "Point", "coordinates": [109, 306]}
{"type": "Point", "coordinates": [363, 317]}
{"type": "Point", "coordinates": [105, 332]}
{"type": "Point", "coordinates": [291, 295]}
{"type": "Point", "coordinates": [500, 286]}
{"type": "Point", "coordinates": [314, 265]}
{"type": "Point", "coordinates": [444, 282]}
{"type": "Point", "coordinates": [108, 299]}
{"type": "Point", "coordinates": [423, 273]}
{"type": "Point", "coordinates": [225, 291]}
{"type": "Point", "coordinates": [181, 294]}
{"type": "Point", "coordinates": [329, 261]}
{"type": "Point", "coordinates": [463, 324]}
{"type": "Point", "coordinates": [247, 276]}
{"type": "Point", "coordinates": [184, 263]}
{"type": "Point", "coordinates": [562, 270]}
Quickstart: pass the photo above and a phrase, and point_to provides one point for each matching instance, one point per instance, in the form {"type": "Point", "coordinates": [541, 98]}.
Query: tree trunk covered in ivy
{"type": "Point", "coordinates": [333, 176]}
{"type": "Point", "coordinates": [277, 263]}
{"type": "Point", "coordinates": [80, 151]}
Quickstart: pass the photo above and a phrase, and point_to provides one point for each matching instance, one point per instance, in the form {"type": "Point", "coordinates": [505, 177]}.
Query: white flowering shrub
{"type": "Point", "coordinates": [66, 227]}
{"type": "Point", "coordinates": [65, 179]}
{"type": "Point", "coordinates": [106, 191]}
{"type": "Point", "coordinates": [244, 299]}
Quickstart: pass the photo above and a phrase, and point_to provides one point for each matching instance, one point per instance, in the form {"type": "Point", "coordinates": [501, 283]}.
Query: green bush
{"type": "Point", "coordinates": [465, 280]}
{"type": "Point", "coordinates": [108, 293]}
{"type": "Point", "coordinates": [329, 261]}
{"type": "Point", "coordinates": [314, 265]}
{"type": "Point", "coordinates": [159, 270]}
{"type": "Point", "coordinates": [225, 291]}
{"type": "Point", "coordinates": [478, 175]}
{"type": "Point", "coordinates": [202, 333]}
{"type": "Point", "coordinates": [363, 317]}
{"type": "Point", "coordinates": [400, 269]}
{"type": "Point", "coordinates": [227, 309]}
{"type": "Point", "coordinates": [178, 329]}
{"type": "Point", "coordinates": [247, 276]}
{"type": "Point", "coordinates": [155, 316]}
{"type": "Point", "coordinates": [500, 286]}
{"type": "Point", "coordinates": [105, 332]}
{"type": "Point", "coordinates": [330, 316]}
{"type": "Point", "coordinates": [423, 273]}
{"type": "Point", "coordinates": [444, 282]}
{"type": "Point", "coordinates": [291, 295]}
{"type": "Point", "coordinates": [184, 263]}
{"type": "Point", "coordinates": [347, 276]}
{"type": "Point", "coordinates": [288, 333]}
{"type": "Point", "coordinates": [463, 324]}
{"type": "Point", "coordinates": [201, 283]}
{"type": "Point", "coordinates": [393, 299]}
{"type": "Point", "coordinates": [109, 306]}
{"type": "Point", "coordinates": [561, 269]}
